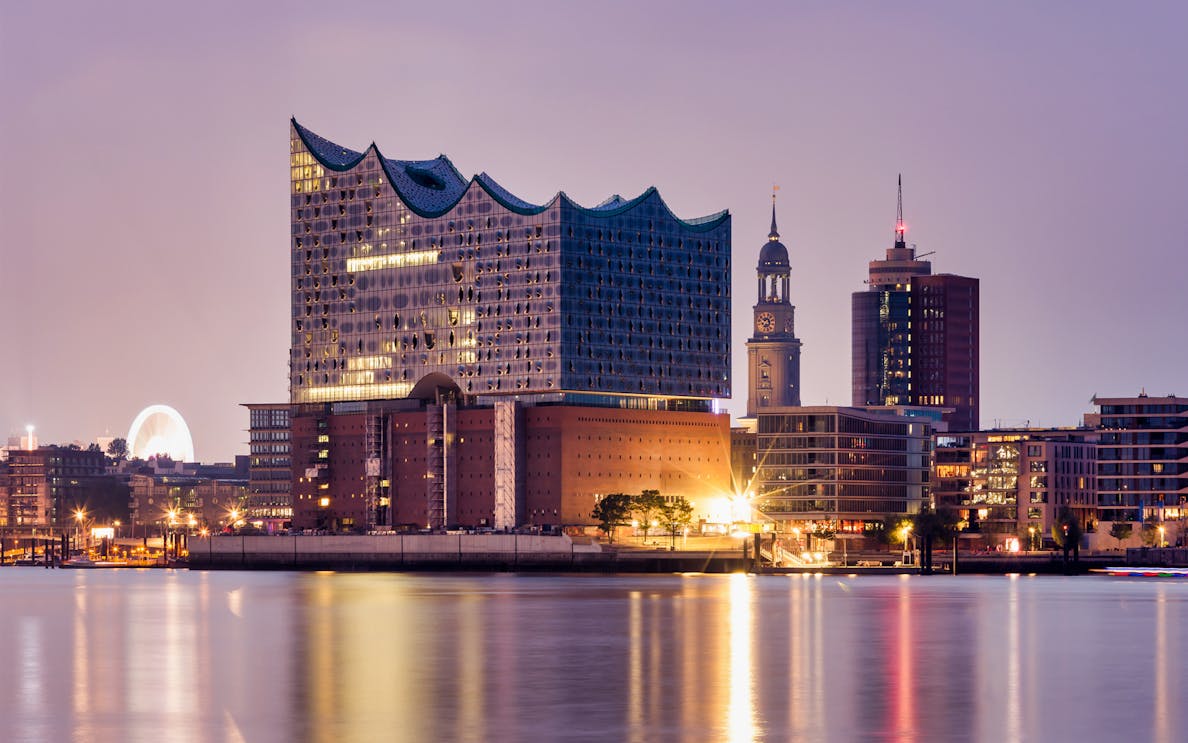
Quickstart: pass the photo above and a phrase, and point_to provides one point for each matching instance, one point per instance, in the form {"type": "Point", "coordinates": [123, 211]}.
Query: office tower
{"type": "Point", "coordinates": [915, 335]}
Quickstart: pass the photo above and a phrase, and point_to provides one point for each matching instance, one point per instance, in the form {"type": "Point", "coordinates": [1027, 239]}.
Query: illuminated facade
{"type": "Point", "coordinates": [1012, 484]}
{"type": "Point", "coordinates": [47, 484]}
{"type": "Point", "coordinates": [196, 502]}
{"type": "Point", "coordinates": [270, 471]}
{"type": "Point", "coordinates": [915, 336]}
{"type": "Point", "coordinates": [439, 323]}
{"type": "Point", "coordinates": [849, 467]}
{"type": "Point", "coordinates": [404, 268]}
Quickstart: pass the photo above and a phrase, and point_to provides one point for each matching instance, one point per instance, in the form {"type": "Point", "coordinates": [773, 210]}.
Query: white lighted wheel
{"type": "Point", "coordinates": [159, 429]}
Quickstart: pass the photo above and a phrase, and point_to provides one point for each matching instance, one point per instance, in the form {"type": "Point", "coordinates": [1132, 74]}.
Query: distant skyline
{"type": "Point", "coordinates": [144, 256]}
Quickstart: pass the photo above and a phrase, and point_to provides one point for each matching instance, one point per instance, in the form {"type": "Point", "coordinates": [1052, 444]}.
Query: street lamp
{"type": "Point", "coordinates": [906, 531]}
{"type": "Point", "coordinates": [1031, 539]}
{"type": "Point", "coordinates": [79, 516]}
{"type": "Point", "coordinates": [1162, 534]}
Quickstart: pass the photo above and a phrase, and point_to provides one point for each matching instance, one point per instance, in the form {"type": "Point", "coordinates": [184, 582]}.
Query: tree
{"type": "Point", "coordinates": [612, 511]}
{"type": "Point", "coordinates": [1066, 530]}
{"type": "Point", "coordinates": [1121, 530]}
{"type": "Point", "coordinates": [94, 448]}
{"type": "Point", "coordinates": [118, 449]}
{"type": "Point", "coordinates": [675, 515]}
{"type": "Point", "coordinates": [933, 525]}
{"type": "Point", "coordinates": [647, 507]}
{"type": "Point", "coordinates": [892, 531]}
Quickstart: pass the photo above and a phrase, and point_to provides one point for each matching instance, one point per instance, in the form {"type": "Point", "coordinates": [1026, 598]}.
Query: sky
{"type": "Point", "coordinates": [144, 195]}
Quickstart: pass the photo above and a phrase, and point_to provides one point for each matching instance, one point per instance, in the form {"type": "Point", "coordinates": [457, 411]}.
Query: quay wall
{"type": "Point", "coordinates": [1162, 557]}
{"type": "Point", "coordinates": [481, 552]}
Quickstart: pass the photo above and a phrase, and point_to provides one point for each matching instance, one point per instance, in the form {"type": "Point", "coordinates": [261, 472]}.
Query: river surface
{"type": "Point", "coordinates": [162, 655]}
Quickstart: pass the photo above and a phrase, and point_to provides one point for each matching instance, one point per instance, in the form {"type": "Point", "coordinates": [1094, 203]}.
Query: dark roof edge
{"type": "Point", "coordinates": [497, 192]}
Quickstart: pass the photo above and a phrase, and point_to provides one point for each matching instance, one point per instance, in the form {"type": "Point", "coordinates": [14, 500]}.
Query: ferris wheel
{"type": "Point", "coordinates": [159, 429]}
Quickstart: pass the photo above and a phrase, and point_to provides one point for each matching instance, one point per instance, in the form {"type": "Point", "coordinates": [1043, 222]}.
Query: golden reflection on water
{"type": "Point", "coordinates": [1014, 722]}
{"type": "Point", "coordinates": [635, 686]}
{"type": "Point", "coordinates": [233, 657]}
{"type": "Point", "coordinates": [81, 693]}
{"type": "Point", "coordinates": [905, 671]}
{"type": "Point", "coordinates": [740, 712]}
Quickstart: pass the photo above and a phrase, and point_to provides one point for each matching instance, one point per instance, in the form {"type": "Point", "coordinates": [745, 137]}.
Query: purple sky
{"type": "Point", "coordinates": [144, 194]}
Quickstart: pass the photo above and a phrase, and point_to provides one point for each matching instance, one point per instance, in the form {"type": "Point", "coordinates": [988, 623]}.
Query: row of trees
{"type": "Point", "coordinates": [649, 509]}
{"type": "Point", "coordinates": [937, 526]}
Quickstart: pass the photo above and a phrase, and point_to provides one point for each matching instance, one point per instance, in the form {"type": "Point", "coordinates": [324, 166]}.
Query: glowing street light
{"type": "Point", "coordinates": [1162, 535]}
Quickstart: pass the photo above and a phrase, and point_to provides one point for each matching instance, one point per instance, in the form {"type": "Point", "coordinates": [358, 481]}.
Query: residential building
{"type": "Point", "coordinates": [270, 471]}
{"type": "Point", "coordinates": [1142, 458]}
{"type": "Point", "coordinates": [48, 484]}
{"type": "Point", "coordinates": [1010, 486]}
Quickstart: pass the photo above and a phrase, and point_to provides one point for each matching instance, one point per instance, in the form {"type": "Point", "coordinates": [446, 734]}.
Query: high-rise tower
{"type": "Point", "coordinates": [915, 335]}
{"type": "Point", "coordinates": [773, 353]}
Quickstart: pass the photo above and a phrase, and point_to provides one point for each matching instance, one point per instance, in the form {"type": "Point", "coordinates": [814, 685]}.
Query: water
{"type": "Point", "coordinates": [155, 655]}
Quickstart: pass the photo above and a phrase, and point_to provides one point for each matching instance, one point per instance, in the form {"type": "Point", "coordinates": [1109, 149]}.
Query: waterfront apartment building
{"type": "Point", "coordinates": [1013, 484]}
{"type": "Point", "coordinates": [416, 292]}
{"type": "Point", "coordinates": [270, 472]}
{"type": "Point", "coordinates": [846, 467]}
{"type": "Point", "coordinates": [1142, 458]}
{"type": "Point", "coordinates": [45, 486]}
{"type": "Point", "coordinates": [915, 336]}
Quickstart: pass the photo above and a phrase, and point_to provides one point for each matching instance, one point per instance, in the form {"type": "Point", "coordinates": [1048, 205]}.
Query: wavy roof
{"type": "Point", "coordinates": [430, 188]}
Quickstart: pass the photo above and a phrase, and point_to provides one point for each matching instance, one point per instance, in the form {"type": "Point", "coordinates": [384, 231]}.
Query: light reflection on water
{"type": "Point", "coordinates": [159, 655]}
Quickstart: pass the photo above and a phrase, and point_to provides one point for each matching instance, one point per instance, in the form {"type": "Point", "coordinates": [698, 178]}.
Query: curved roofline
{"type": "Point", "coordinates": [491, 187]}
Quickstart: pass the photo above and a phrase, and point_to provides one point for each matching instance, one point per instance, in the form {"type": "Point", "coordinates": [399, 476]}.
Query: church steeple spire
{"type": "Point", "coordinates": [774, 234]}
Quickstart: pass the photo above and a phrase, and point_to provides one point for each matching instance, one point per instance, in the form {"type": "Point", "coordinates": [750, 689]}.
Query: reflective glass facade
{"type": "Point", "coordinates": [401, 269]}
{"type": "Point", "coordinates": [842, 465]}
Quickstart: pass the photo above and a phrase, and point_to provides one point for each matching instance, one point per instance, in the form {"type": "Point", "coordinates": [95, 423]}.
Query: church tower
{"type": "Point", "coordinates": [773, 352]}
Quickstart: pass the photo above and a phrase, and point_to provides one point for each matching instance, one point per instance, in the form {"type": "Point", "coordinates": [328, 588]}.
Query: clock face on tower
{"type": "Point", "coordinates": [765, 322]}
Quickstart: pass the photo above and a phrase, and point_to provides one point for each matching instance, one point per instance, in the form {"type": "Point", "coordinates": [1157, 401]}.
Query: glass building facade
{"type": "Point", "coordinates": [915, 337]}
{"type": "Point", "coordinates": [402, 269]}
{"type": "Point", "coordinates": [845, 466]}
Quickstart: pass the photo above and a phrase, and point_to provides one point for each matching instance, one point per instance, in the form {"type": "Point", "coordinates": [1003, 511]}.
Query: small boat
{"type": "Point", "coordinates": [1143, 572]}
{"type": "Point", "coordinates": [88, 563]}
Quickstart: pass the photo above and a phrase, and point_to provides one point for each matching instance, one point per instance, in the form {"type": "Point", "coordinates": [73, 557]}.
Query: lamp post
{"type": "Point", "coordinates": [906, 532]}
{"type": "Point", "coordinates": [1162, 535]}
{"type": "Point", "coordinates": [169, 535]}
{"type": "Point", "coordinates": [79, 516]}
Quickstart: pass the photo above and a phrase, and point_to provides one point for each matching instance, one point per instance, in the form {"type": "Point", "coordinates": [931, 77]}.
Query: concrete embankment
{"type": "Point", "coordinates": [1164, 557]}
{"type": "Point", "coordinates": [500, 552]}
